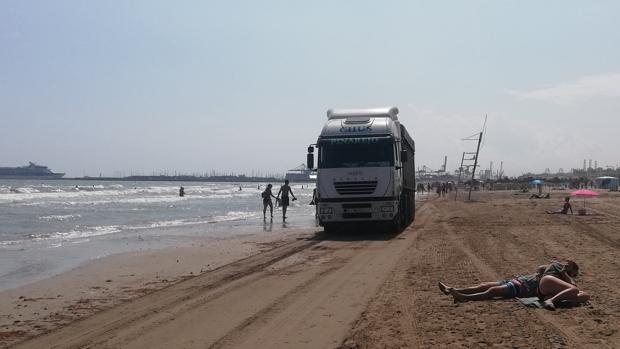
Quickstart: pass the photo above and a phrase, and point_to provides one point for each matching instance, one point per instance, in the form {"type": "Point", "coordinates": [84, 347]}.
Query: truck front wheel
{"type": "Point", "coordinates": [329, 228]}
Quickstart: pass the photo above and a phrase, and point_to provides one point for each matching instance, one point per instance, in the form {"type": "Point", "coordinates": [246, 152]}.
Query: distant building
{"type": "Point", "coordinates": [300, 174]}
{"type": "Point", "coordinates": [606, 182]}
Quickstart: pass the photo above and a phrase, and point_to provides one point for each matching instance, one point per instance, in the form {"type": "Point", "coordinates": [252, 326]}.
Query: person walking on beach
{"type": "Point", "coordinates": [284, 201]}
{"type": "Point", "coordinates": [267, 195]}
{"type": "Point", "coordinates": [315, 202]}
{"type": "Point", "coordinates": [553, 284]}
{"type": "Point", "coordinates": [420, 188]}
{"type": "Point", "coordinates": [567, 206]}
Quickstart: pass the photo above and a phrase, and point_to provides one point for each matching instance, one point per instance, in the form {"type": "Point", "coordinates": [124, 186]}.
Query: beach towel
{"type": "Point", "coordinates": [534, 302]}
{"type": "Point", "coordinates": [530, 302]}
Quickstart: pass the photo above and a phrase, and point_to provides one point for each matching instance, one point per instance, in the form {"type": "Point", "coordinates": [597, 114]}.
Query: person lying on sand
{"type": "Point", "coordinates": [552, 283]}
{"type": "Point", "coordinates": [567, 206]}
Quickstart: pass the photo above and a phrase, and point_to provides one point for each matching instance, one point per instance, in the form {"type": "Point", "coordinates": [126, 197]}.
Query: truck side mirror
{"type": "Point", "coordinates": [310, 161]}
{"type": "Point", "coordinates": [403, 156]}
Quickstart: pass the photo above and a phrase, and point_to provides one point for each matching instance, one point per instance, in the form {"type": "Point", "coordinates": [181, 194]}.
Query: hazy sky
{"type": "Point", "coordinates": [194, 86]}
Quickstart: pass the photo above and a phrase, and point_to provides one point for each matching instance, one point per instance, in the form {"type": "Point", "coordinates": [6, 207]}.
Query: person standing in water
{"type": "Point", "coordinates": [284, 201]}
{"type": "Point", "coordinates": [267, 195]}
{"type": "Point", "coordinates": [181, 191]}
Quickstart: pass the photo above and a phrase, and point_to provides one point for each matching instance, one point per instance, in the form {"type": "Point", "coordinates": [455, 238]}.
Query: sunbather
{"type": "Point", "coordinates": [553, 284]}
{"type": "Point", "coordinates": [567, 206]}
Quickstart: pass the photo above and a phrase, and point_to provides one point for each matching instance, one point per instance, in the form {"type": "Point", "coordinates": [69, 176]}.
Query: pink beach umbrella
{"type": "Point", "coordinates": [584, 193]}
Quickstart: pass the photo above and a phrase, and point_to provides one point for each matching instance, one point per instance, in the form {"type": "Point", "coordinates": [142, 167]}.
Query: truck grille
{"type": "Point", "coordinates": [355, 215]}
{"type": "Point", "coordinates": [355, 188]}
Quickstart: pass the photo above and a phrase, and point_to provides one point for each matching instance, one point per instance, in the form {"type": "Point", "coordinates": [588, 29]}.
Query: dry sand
{"type": "Point", "coordinates": [348, 290]}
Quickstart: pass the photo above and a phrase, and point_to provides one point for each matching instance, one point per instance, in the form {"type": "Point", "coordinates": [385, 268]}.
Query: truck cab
{"type": "Point", "coordinates": [365, 168]}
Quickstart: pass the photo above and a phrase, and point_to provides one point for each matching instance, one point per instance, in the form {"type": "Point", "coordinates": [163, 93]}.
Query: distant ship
{"type": "Point", "coordinates": [32, 171]}
{"type": "Point", "coordinates": [300, 174]}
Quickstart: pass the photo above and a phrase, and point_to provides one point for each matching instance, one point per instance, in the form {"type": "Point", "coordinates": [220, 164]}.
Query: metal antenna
{"type": "Point", "coordinates": [465, 157]}
{"type": "Point", "coordinates": [484, 130]}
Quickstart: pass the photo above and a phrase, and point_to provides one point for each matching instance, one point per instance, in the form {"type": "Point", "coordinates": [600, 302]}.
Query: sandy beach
{"type": "Point", "coordinates": [346, 290]}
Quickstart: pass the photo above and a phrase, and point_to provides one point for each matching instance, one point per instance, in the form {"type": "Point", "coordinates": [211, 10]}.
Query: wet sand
{"type": "Point", "coordinates": [50, 304]}
{"type": "Point", "coordinates": [348, 290]}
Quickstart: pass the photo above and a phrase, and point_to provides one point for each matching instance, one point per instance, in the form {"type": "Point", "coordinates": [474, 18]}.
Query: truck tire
{"type": "Point", "coordinates": [407, 211]}
{"type": "Point", "coordinates": [403, 210]}
{"type": "Point", "coordinates": [329, 228]}
{"type": "Point", "coordinates": [396, 224]}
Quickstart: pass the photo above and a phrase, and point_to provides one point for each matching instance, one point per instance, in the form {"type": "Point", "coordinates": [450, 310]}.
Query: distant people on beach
{"type": "Point", "coordinates": [567, 207]}
{"type": "Point", "coordinates": [284, 200]}
{"type": "Point", "coordinates": [553, 284]}
{"type": "Point", "coordinates": [267, 195]}
{"type": "Point", "coordinates": [181, 191]}
{"type": "Point", "coordinates": [420, 188]}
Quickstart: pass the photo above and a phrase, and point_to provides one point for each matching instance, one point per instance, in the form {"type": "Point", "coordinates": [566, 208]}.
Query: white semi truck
{"type": "Point", "coordinates": [365, 169]}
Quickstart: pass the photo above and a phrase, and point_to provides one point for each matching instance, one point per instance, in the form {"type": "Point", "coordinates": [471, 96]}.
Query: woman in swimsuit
{"type": "Point", "coordinates": [267, 195]}
{"type": "Point", "coordinates": [553, 284]}
{"type": "Point", "coordinates": [567, 206]}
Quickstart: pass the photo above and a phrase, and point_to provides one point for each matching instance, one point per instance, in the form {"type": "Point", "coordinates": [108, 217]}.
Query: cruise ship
{"type": "Point", "coordinates": [32, 171]}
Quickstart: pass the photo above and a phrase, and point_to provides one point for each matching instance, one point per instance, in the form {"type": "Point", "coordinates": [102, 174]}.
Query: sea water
{"type": "Point", "coordinates": [47, 227]}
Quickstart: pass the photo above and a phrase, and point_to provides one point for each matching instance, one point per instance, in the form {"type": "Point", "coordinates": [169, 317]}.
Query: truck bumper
{"type": "Point", "coordinates": [333, 212]}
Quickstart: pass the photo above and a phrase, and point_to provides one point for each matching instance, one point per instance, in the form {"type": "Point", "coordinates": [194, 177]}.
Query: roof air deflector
{"type": "Point", "coordinates": [391, 112]}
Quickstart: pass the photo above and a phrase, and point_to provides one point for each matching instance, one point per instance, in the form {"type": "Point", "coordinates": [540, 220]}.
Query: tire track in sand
{"type": "Point", "coordinates": [568, 338]}
{"type": "Point", "coordinates": [103, 326]}
{"type": "Point", "coordinates": [320, 313]}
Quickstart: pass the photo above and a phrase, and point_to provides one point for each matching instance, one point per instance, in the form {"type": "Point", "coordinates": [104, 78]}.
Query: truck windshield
{"type": "Point", "coordinates": [356, 152]}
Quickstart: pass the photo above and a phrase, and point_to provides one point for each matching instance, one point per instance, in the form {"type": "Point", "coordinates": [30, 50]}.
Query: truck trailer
{"type": "Point", "coordinates": [365, 169]}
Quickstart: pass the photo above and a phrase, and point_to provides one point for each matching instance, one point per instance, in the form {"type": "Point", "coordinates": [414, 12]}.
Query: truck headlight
{"type": "Point", "coordinates": [326, 210]}
{"type": "Point", "coordinates": [387, 208]}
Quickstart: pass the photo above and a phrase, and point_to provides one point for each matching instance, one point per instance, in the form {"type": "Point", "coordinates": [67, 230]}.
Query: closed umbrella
{"type": "Point", "coordinates": [584, 193]}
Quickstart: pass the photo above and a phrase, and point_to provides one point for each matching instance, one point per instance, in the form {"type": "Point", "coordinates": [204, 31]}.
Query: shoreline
{"type": "Point", "coordinates": [99, 284]}
{"type": "Point", "coordinates": [51, 228]}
